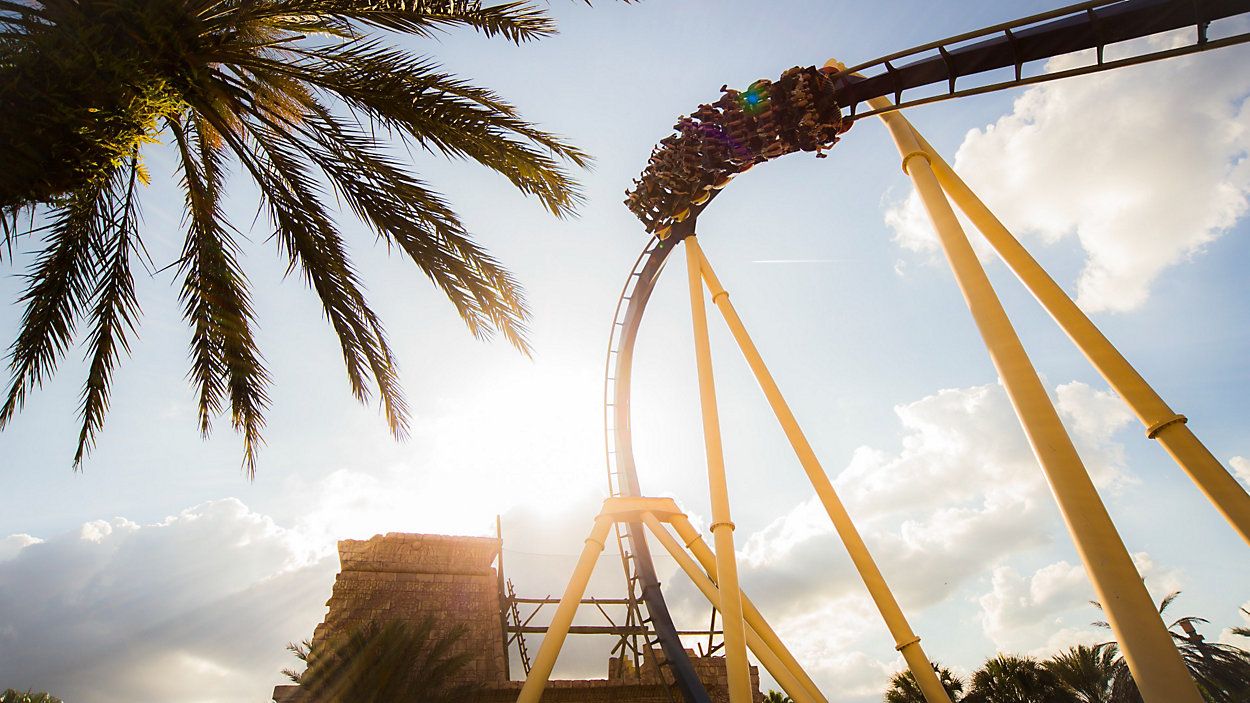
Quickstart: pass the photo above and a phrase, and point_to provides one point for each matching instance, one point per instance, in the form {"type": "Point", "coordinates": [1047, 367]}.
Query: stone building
{"type": "Point", "coordinates": [411, 577]}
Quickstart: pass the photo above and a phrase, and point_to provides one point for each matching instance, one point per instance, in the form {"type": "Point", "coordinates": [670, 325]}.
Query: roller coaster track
{"type": "Point", "coordinates": [1083, 26]}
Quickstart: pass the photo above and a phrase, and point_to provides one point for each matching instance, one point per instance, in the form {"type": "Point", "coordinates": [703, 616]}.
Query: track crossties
{"type": "Point", "coordinates": [797, 112]}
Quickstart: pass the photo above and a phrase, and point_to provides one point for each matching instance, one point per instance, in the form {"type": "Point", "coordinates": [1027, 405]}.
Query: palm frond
{"type": "Point", "coordinates": [116, 308]}
{"type": "Point", "coordinates": [422, 225]}
{"type": "Point", "coordinates": [1167, 601]}
{"type": "Point", "coordinates": [58, 287]}
{"type": "Point", "coordinates": [400, 208]}
{"type": "Point", "coordinates": [385, 662]}
{"type": "Point", "coordinates": [413, 98]}
{"type": "Point", "coordinates": [515, 21]}
{"type": "Point", "coordinates": [313, 245]}
{"type": "Point", "coordinates": [216, 302]}
{"type": "Point", "coordinates": [298, 93]}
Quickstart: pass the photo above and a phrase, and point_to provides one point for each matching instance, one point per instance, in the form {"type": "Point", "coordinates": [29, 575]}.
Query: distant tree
{"type": "Point", "coordinates": [904, 689]}
{"type": "Point", "coordinates": [1241, 630]}
{"type": "Point", "coordinates": [392, 662]}
{"type": "Point", "coordinates": [14, 696]}
{"type": "Point", "coordinates": [777, 697]}
{"type": "Point", "coordinates": [1221, 671]}
{"type": "Point", "coordinates": [1016, 679]}
{"type": "Point", "coordinates": [1086, 672]}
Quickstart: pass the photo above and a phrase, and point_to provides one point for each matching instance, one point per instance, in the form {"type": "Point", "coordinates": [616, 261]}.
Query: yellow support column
{"type": "Point", "coordinates": [1148, 648]}
{"type": "Point", "coordinates": [540, 672]}
{"type": "Point", "coordinates": [707, 559]}
{"type": "Point", "coordinates": [905, 640]}
{"type": "Point", "coordinates": [787, 678]}
{"type": "Point", "coordinates": [722, 525]}
{"type": "Point", "coordinates": [1161, 422]}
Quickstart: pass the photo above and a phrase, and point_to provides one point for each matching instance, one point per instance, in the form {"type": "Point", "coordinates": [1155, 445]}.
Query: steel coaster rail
{"type": "Point", "coordinates": [619, 450]}
{"type": "Point", "coordinates": [1086, 25]}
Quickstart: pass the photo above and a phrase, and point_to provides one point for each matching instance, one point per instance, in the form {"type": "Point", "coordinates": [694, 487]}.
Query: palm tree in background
{"type": "Point", "coordinates": [14, 696]}
{"type": "Point", "coordinates": [1015, 679]}
{"type": "Point", "coordinates": [775, 696]}
{"type": "Point", "coordinates": [1096, 674]}
{"type": "Point", "coordinates": [1242, 630]}
{"type": "Point", "coordinates": [299, 98]}
{"type": "Point", "coordinates": [904, 689]}
{"type": "Point", "coordinates": [1086, 672]}
{"type": "Point", "coordinates": [1221, 671]}
{"type": "Point", "coordinates": [391, 662]}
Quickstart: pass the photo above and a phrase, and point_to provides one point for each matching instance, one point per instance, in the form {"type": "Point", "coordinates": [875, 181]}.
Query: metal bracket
{"type": "Point", "coordinates": [908, 643]}
{"type": "Point", "coordinates": [1154, 430]}
{"type": "Point", "coordinates": [950, 69]}
{"type": "Point", "coordinates": [919, 152]}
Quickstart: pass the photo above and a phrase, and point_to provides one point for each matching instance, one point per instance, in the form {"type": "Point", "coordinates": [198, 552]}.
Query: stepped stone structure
{"type": "Point", "coordinates": [411, 577]}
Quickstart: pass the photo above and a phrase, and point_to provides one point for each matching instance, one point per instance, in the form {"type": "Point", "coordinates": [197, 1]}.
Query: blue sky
{"type": "Point", "coordinates": [160, 572]}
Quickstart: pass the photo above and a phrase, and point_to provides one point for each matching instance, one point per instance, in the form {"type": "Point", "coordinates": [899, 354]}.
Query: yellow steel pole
{"type": "Point", "coordinates": [722, 525]}
{"type": "Point", "coordinates": [540, 672]}
{"type": "Point", "coordinates": [1161, 422]}
{"type": "Point", "coordinates": [707, 559]}
{"type": "Point", "coordinates": [787, 679]}
{"type": "Point", "coordinates": [906, 641]}
{"type": "Point", "coordinates": [1148, 648]}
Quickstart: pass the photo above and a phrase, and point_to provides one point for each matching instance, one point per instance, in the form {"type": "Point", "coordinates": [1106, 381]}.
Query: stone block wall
{"type": "Point", "coordinates": [410, 577]}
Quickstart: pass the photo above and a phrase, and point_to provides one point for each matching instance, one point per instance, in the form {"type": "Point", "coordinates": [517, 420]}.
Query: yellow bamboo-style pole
{"type": "Point", "coordinates": [540, 672]}
{"type": "Point", "coordinates": [1148, 648]}
{"type": "Point", "coordinates": [905, 640]}
{"type": "Point", "coordinates": [722, 524]}
{"type": "Point", "coordinates": [786, 678]}
{"type": "Point", "coordinates": [707, 559]}
{"type": "Point", "coordinates": [1161, 422]}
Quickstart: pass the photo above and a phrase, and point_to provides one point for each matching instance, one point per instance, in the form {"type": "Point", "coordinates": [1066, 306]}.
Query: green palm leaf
{"type": "Point", "coordinates": [305, 103]}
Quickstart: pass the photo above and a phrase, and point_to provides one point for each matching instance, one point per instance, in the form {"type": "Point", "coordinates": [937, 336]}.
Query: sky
{"type": "Point", "coordinates": [160, 572]}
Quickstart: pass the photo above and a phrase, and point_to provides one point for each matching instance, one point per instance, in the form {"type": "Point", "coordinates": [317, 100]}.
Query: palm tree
{"type": "Point", "coordinates": [14, 696]}
{"type": "Point", "coordinates": [300, 99]}
{"type": "Point", "coordinates": [777, 697]}
{"type": "Point", "coordinates": [1242, 630]}
{"type": "Point", "coordinates": [392, 662]}
{"type": "Point", "coordinates": [1086, 672]}
{"type": "Point", "coordinates": [1015, 679]}
{"type": "Point", "coordinates": [904, 689]}
{"type": "Point", "coordinates": [1221, 671]}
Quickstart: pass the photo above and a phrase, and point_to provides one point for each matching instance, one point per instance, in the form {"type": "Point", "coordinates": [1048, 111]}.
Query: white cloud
{"type": "Point", "coordinates": [1160, 580]}
{"type": "Point", "coordinates": [200, 606]}
{"type": "Point", "coordinates": [205, 601]}
{"type": "Point", "coordinates": [1021, 613]}
{"type": "Point", "coordinates": [13, 544]}
{"type": "Point", "coordinates": [1049, 611]}
{"type": "Point", "coordinates": [835, 640]}
{"type": "Point", "coordinates": [1143, 166]}
{"type": "Point", "coordinates": [962, 494]}
{"type": "Point", "coordinates": [1241, 469]}
{"type": "Point", "coordinates": [196, 607]}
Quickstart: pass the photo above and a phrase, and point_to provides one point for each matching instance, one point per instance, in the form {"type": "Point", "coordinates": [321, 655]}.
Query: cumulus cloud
{"type": "Point", "coordinates": [200, 606]}
{"type": "Point", "coordinates": [1049, 611]}
{"type": "Point", "coordinates": [1142, 166]}
{"type": "Point", "coordinates": [11, 545]}
{"type": "Point", "coordinates": [205, 600]}
{"type": "Point", "coordinates": [1020, 612]}
{"type": "Point", "coordinates": [196, 607]}
{"type": "Point", "coordinates": [960, 495]}
{"type": "Point", "coordinates": [1241, 469]}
